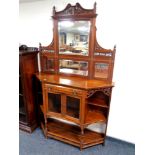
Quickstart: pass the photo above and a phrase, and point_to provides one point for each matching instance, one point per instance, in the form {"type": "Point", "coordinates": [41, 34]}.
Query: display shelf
{"type": "Point", "coordinates": [72, 134]}
{"type": "Point", "coordinates": [94, 116]}
{"type": "Point", "coordinates": [97, 102]}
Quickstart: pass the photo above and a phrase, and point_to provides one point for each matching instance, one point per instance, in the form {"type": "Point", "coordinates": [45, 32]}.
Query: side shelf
{"type": "Point", "coordinates": [97, 108]}
{"type": "Point", "coordinates": [98, 102]}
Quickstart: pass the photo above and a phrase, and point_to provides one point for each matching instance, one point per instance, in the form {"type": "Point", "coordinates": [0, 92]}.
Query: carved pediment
{"type": "Point", "coordinates": [74, 10]}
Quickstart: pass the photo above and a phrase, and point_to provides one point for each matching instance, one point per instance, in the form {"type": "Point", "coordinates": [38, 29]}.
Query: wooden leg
{"type": "Point", "coordinates": [103, 144]}
{"type": "Point", "coordinates": [82, 129]}
{"type": "Point", "coordinates": [46, 128]}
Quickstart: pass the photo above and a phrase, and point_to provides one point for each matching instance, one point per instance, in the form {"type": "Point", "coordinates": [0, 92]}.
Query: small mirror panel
{"type": "Point", "coordinates": [74, 37]}
{"type": "Point", "coordinates": [73, 67]}
{"type": "Point", "coordinates": [101, 70]}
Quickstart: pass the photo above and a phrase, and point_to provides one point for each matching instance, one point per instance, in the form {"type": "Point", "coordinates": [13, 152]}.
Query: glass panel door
{"type": "Point", "coordinates": [54, 102]}
{"type": "Point", "coordinates": [73, 107]}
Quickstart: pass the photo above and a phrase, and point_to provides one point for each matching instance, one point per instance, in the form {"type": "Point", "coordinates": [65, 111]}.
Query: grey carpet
{"type": "Point", "coordinates": [37, 144]}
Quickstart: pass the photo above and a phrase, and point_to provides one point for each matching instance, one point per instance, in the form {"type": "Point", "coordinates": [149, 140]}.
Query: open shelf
{"type": "Point", "coordinates": [97, 102]}
{"type": "Point", "coordinates": [94, 116]}
{"type": "Point", "coordinates": [72, 134]}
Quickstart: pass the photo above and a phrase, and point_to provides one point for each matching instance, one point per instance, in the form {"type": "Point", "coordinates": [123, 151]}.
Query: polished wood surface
{"type": "Point", "coordinates": [73, 81]}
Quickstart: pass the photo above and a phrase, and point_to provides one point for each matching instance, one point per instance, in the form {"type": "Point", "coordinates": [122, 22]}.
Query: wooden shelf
{"type": "Point", "coordinates": [94, 116]}
{"type": "Point", "coordinates": [72, 134]}
{"type": "Point", "coordinates": [97, 102]}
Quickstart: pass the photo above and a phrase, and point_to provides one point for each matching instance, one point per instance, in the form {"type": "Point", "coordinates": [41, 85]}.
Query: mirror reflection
{"type": "Point", "coordinates": [74, 37]}
{"type": "Point", "coordinates": [101, 70]}
{"type": "Point", "coordinates": [73, 67]}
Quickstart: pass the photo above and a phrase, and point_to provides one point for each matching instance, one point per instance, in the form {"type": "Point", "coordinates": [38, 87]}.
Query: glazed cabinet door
{"type": "Point", "coordinates": [63, 102]}
{"type": "Point", "coordinates": [73, 105]}
{"type": "Point", "coordinates": [52, 101]}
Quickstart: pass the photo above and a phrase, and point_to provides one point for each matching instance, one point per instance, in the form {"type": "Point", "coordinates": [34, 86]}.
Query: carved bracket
{"type": "Point", "coordinates": [46, 48]}
{"type": "Point", "coordinates": [106, 91]}
{"type": "Point", "coordinates": [98, 48]}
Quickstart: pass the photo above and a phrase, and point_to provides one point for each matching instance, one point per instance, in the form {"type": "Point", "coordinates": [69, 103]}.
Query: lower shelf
{"type": "Point", "coordinates": [72, 134]}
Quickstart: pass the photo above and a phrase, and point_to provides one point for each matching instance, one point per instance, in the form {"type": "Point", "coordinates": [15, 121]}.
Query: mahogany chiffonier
{"type": "Point", "coordinates": [75, 82]}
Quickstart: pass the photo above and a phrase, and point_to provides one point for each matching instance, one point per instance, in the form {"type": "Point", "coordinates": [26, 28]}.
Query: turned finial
{"type": "Point", "coordinates": [95, 7]}
{"type": "Point", "coordinates": [114, 47]}
{"type": "Point", "coordinates": [54, 10]}
{"type": "Point", "coordinates": [40, 48]}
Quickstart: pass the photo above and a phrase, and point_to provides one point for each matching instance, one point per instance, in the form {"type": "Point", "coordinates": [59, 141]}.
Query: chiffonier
{"type": "Point", "coordinates": [74, 85]}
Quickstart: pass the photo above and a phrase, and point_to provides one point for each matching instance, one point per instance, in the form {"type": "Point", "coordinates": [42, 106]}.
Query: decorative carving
{"type": "Point", "coordinates": [49, 48]}
{"type": "Point", "coordinates": [107, 54]}
{"type": "Point", "coordinates": [98, 48]}
{"type": "Point", "coordinates": [106, 91]}
{"type": "Point", "coordinates": [74, 10]}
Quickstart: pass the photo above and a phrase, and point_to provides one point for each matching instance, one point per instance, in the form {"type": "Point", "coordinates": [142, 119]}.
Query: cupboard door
{"type": "Point", "coordinates": [73, 107]}
{"type": "Point", "coordinates": [54, 102]}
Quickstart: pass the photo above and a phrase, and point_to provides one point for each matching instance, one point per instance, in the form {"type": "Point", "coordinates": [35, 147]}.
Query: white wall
{"type": "Point", "coordinates": [118, 22]}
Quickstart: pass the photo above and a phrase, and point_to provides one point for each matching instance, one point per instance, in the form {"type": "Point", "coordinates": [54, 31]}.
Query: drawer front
{"type": "Point", "coordinates": [64, 90]}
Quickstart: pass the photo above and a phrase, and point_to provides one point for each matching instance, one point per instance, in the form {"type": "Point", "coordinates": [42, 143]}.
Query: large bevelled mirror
{"type": "Point", "coordinates": [74, 37]}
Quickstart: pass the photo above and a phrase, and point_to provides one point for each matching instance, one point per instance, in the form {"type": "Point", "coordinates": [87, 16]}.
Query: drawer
{"type": "Point", "coordinates": [64, 90]}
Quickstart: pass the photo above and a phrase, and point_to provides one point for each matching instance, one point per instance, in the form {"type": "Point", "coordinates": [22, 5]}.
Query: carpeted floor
{"type": "Point", "coordinates": [37, 144]}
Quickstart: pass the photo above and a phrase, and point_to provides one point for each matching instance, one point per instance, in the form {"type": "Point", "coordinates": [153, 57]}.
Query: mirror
{"type": "Point", "coordinates": [73, 67]}
{"type": "Point", "coordinates": [101, 70]}
{"type": "Point", "coordinates": [74, 37]}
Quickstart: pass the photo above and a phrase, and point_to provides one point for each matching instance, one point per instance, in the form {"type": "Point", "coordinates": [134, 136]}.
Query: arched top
{"type": "Point", "coordinates": [75, 11]}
